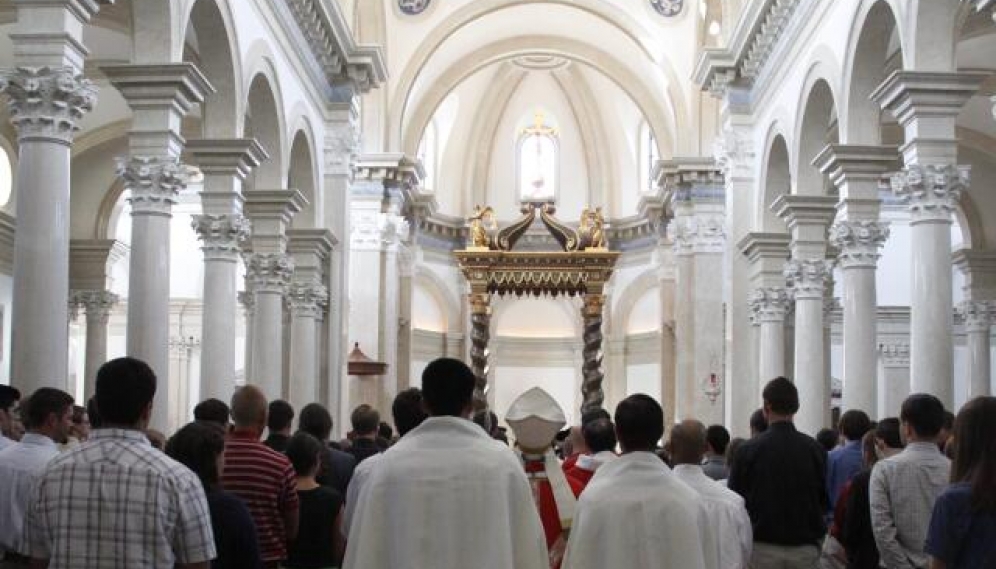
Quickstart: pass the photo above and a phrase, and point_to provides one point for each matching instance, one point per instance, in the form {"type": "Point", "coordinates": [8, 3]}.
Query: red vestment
{"type": "Point", "coordinates": [543, 496]}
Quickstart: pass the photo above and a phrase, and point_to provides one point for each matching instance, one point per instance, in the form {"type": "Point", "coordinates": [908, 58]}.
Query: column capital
{"type": "Point", "coordinates": [704, 233]}
{"type": "Point", "coordinates": [247, 300]}
{"type": "Point", "coordinates": [154, 182]}
{"type": "Point", "coordinates": [859, 242]}
{"type": "Point", "coordinates": [378, 175]}
{"type": "Point", "coordinates": [799, 210]}
{"type": "Point", "coordinates": [769, 304]}
{"type": "Point", "coordinates": [979, 268]}
{"type": "Point", "coordinates": [269, 272]}
{"type": "Point", "coordinates": [271, 212]}
{"type": "Point", "coordinates": [89, 261]}
{"type": "Point", "coordinates": [226, 156]}
{"type": "Point", "coordinates": [895, 354]}
{"type": "Point", "coordinates": [222, 235]}
{"type": "Point", "coordinates": [96, 303]}
{"type": "Point", "coordinates": [308, 299]}
{"type": "Point", "coordinates": [850, 164]}
{"type": "Point", "coordinates": [976, 315]}
{"type": "Point", "coordinates": [176, 86]}
{"type": "Point", "coordinates": [807, 278]}
{"type": "Point", "coordinates": [932, 190]}
{"type": "Point", "coordinates": [47, 103]}
{"type": "Point", "coordinates": [909, 95]}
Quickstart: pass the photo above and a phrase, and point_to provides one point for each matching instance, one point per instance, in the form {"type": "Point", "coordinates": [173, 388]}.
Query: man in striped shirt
{"type": "Point", "coordinates": [261, 476]}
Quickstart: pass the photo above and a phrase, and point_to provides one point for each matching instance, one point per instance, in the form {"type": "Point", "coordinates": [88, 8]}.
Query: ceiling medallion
{"type": "Point", "coordinates": [413, 7]}
{"type": "Point", "coordinates": [667, 8]}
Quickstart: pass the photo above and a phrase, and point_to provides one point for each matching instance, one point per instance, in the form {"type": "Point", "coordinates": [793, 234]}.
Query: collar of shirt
{"type": "Point", "coordinates": [690, 471]}
{"type": "Point", "coordinates": [244, 436]}
{"type": "Point", "coordinates": [36, 440]}
{"type": "Point", "coordinates": [782, 426]}
{"type": "Point", "coordinates": [132, 435]}
{"type": "Point", "coordinates": [922, 447]}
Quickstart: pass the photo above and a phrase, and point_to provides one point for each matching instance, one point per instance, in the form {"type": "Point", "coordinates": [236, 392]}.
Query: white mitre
{"type": "Point", "coordinates": [536, 418]}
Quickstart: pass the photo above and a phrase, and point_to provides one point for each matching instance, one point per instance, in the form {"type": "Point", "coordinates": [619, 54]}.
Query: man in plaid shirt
{"type": "Point", "coordinates": [116, 502]}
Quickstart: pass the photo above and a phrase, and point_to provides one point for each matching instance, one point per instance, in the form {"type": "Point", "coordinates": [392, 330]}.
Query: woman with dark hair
{"type": "Point", "coordinates": [200, 446]}
{"type": "Point", "coordinates": [319, 543]}
{"type": "Point", "coordinates": [962, 531]}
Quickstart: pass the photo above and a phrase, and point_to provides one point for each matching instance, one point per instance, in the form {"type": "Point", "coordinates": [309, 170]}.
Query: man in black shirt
{"type": "Point", "coordinates": [781, 475]}
{"type": "Point", "coordinates": [279, 418]}
{"type": "Point", "coordinates": [366, 423]}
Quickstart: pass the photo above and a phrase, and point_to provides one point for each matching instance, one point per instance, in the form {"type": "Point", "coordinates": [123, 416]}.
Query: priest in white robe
{"type": "Point", "coordinates": [635, 512]}
{"type": "Point", "coordinates": [446, 496]}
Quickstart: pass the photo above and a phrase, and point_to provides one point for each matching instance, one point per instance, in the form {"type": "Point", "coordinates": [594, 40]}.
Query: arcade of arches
{"type": "Point", "coordinates": [240, 190]}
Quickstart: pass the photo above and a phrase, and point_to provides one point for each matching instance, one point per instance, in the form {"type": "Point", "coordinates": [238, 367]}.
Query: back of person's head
{"type": "Point", "coordinates": [385, 431]}
{"type": "Point", "coordinates": [889, 432]}
{"type": "Point", "coordinates": [949, 421]}
{"type": "Point", "coordinates": [853, 424]}
{"type": "Point", "coordinates": [315, 420]}
{"type": "Point", "coordinates": [408, 411]}
{"type": "Point", "coordinates": [869, 452]}
{"type": "Point", "coordinates": [758, 422]}
{"type": "Point", "coordinates": [448, 388]}
{"type": "Point", "coordinates": [688, 442]}
{"type": "Point", "coordinates": [599, 435]}
{"type": "Point", "coordinates": [718, 438]}
{"type": "Point", "coordinates": [304, 451]}
{"type": "Point", "coordinates": [93, 413]}
{"type": "Point", "coordinates": [45, 403]}
{"type": "Point", "coordinates": [924, 414]}
{"type": "Point", "coordinates": [781, 397]}
{"type": "Point", "coordinates": [365, 420]}
{"type": "Point", "coordinates": [733, 447]}
{"type": "Point", "coordinates": [197, 446]}
{"type": "Point", "coordinates": [594, 415]}
{"type": "Point", "coordinates": [8, 396]}
{"type": "Point", "coordinates": [975, 451]}
{"type": "Point", "coordinates": [639, 423]}
{"type": "Point", "coordinates": [213, 411]}
{"type": "Point", "coordinates": [279, 416]}
{"type": "Point", "coordinates": [124, 392]}
{"type": "Point", "coordinates": [249, 407]}
{"type": "Point", "coordinates": [828, 439]}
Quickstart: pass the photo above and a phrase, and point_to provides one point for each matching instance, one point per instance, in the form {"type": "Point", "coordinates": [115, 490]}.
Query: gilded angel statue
{"type": "Point", "coordinates": [482, 221]}
{"type": "Point", "coordinates": [591, 230]}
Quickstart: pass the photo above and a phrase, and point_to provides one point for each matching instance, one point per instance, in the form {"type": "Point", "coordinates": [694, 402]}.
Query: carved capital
{"type": "Point", "coordinates": [343, 147]}
{"type": "Point", "coordinates": [248, 301]}
{"type": "Point", "coordinates": [932, 191]}
{"type": "Point", "coordinates": [859, 242]}
{"type": "Point", "coordinates": [47, 103]}
{"type": "Point", "coordinates": [308, 299]}
{"type": "Point", "coordinates": [222, 235]}
{"type": "Point", "coordinates": [154, 182]}
{"type": "Point", "coordinates": [96, 303]}
{"type": "Point", "coordinates": [978, 316]}
{"type": "Point", "coordinates": [895, 354]}
{"type": "Point", "coordinates": [807, 279]}
{"type": "Point", "coordinates": [269, 272]}
{"type": "Point", "coordinates": [699, 234]}
{"type": "Point", "coordinates": [769, 304]}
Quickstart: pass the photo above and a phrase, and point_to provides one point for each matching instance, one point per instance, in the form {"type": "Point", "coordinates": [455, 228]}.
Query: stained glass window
{"type": "Point", "coordinates": [538, 161]}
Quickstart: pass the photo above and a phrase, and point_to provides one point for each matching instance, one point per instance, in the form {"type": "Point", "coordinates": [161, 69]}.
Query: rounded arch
{"type": "Point", "coordinates": [775, 181]}
{"type": "Point", "coordinates": [448, 303]}
{"type": "Point", "coordinates": [815, 129]}
{"type": "Point", "coordinates": [301, 175]}
{"type": "Point", "coordinates": [264, 120]}
{"type": "Point", "coordinates": [866, 66]}
{"type": "Point", "coordinates": [631, 295]}
{"type": "Point", "coordinates": [210, 23]}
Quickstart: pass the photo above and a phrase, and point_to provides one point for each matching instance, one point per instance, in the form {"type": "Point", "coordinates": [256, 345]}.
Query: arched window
{"type": "Point", "coordinates": [428, 153]}
{"type": "Point", "coordinates": [537, 161]}
{"type": "Point", "coordinates": [649, 155]}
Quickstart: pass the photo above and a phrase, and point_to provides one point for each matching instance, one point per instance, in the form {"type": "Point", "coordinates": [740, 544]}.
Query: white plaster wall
{"type": "Point", "coordinates": [6, 297]}
{"type": "Point", "coordinates": [534, 318]}
{"type": "Point", "coordinates": [644, 378]}
{"type": "Point", "coordinates": [426, 312]}
{"type": "Point", "coordinates": [646, 314]}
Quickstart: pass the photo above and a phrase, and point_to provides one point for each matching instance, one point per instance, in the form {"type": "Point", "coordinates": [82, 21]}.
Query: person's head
{"type": "Point", "coordinates": [365, 421]}
{"type": "Point", "coordinates": [93, 414]}
{"type": "Point", "coordinates": [733, 447]}
{"type": "Point", "coordinates": [854, 424]}
{"type": "Point", "coordinates": [279, 417]}
{"type": "Point", "coordinates": [599, 435]}
{"type": "Point", "coordinates": [758, 423]}
{"type": "Point", "coordinates": [80, 427]}
{"type": "Point", "coordinates": [315, 420]}
{"type": "Point", "coordinates": [448, 388]}
{"type": "Point", "coordinates": [304, 452]}
{"type": "Point", "coordinates": [828, 439]}
{"type": "Point", "coordinates": [200, 447]}
{"type": "Point", "coordinates": [922, 416]}
{"type": "Point", "coordinates": [575, 442]}
{"type": "Point", "coordinates": [124, 392]}
{"type": "Point", "coordinates": [718, 438]}
{"type": "Point", "coordinates": [249, 409]}
{"type": "Point", "coordinates": [869, 449]}
{"type": "Point", "coordinates": [408, 410]}
{"type": "Point", "coordinates": [48, 412]}
{"type": "Point", "coordinates": [594, 414]}
{"type": "Point", "coordinates": [688, 442]}
{"type": "Point", "coordinates": [487, 420]}
{"type": "Point", "coordinates": [156, 439]}
{"type": "Point", "coordinates": [639, 423]}
{"type": "Point", "coordinates": [9, 410]}
{"type": "Point", "coordinates": [781, 400]}
{"type": "Point", "coordinates": [975, 451]}
{"type": "Point", "coordinates": [888, 437]}
{"type": "Point", "coordinates": [213, 411]}
{"type": "Point", "coordinates": [947, 429]}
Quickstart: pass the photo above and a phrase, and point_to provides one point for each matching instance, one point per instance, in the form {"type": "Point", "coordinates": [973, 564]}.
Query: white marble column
{"type": "Point", "coordinates": [97, 305]}
{"type": "Point", "coordinates": [978, 317]}
{"type": "Point", "coordinates": [895, 386]}
{"type": "Point", "coordinates": [221, 229]}
{"type": "Point", "coordinates": [770, 306]}
{"type": "Point", "coordinates": [927, 106]}
{"type": "Point", "coordinates": [308, 298]}
{"type": "Point", "coordinates": [769, 303]}
{"type": "Point", "coordinates": [684, 313]}
{"type": "Point", "coordinates": [807, 275]}
{"type": "Point", "coordinates": [247, 302]}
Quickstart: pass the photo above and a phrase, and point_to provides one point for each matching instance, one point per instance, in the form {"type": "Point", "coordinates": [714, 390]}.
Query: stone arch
{"type": "Point", "coordinates": [302, 176]}
{"type": "Point", "coordinates": [264, 121]}
{"type": "Point", "coordinates": [865, 68]}
{"type": "Point", "coordinates": [449, 304]}
{"type": "Point", "coordinates": [816, 129]}
{"type": "Point", "coordinates": [933, 34]}
{"type": "Point", "coordinates": [775, 181]}
{"type": "Point", "coordinates": [636, 290]}
{"type": "Point", "coordinates": [211, 25]}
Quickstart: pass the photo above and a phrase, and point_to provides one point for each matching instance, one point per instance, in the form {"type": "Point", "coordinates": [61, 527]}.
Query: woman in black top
{"type": "Point", "coordinates": [320, 543]}
{"type": "Point", "coordinates": [200, 446]}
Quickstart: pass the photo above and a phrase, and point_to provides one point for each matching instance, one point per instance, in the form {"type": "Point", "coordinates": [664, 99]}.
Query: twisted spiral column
{"type": "Point", "coordinates": [591, 370]}
{"type": "Point", "coordinates": [480, 336]}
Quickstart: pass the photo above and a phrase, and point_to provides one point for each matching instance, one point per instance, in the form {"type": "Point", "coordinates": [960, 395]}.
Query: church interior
{"type": "Point", "coordinates": [294, 194]}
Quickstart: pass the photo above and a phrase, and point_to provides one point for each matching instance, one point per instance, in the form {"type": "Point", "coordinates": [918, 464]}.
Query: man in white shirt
{"type": "Point", "coordinates": [9, 397]}
{"type": "Point", "coordinates": [636, 512]}
{"type": "Point", "coordinates": [47, 417]}
{"type": "Point", "coordinates": [724, 507]}
{"type": "Point", "coordinates": [447, 495]}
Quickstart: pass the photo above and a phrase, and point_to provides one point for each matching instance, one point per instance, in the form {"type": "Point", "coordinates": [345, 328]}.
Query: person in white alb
{"type": "Point", "coordinates": [635, 512]}
{"type": "Point", "coordinates": [446, 496]}
{"type": "Point", "coordinates": [724, 507]}
{"type": "Point", "coordinates": [47, 417]}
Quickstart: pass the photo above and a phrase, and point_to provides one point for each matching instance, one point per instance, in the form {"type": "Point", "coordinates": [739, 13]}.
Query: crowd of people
{"type": "Point", "coordinates": [93, 487]}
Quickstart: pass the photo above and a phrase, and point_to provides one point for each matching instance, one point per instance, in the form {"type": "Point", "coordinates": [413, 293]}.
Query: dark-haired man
{"type": "Point", "coordinates": [600, 440]}
{"type": "Point", "coordinates": [671, 529]}
{"type": "Point", "coordinates": [888, 438]}
{"type": "Point", "coordinates": [904, 487]}
{"type": "Point", "coordinates": [279, 418]}
{"type": "Point", "coordinates": [9, 414]}
{"type": "Point", "coordinates": [781, 473]}
{"type": "Point", "coordinates": [47, 417]}
{"type": "Point", "coordinates": [845, 461]}
{"type": "Point", "coordinates": [151, 509]}
{"type": "Point", "coordinates": [336, 466]}
{"type": "Point", "coordinates": [446, 494]}
{"type": "Point", "coordinates": [212, 411]}
{"type": "Point", "coordinates": [366, 424]}
{"type": "Point", "coordinates": [717, 440]}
